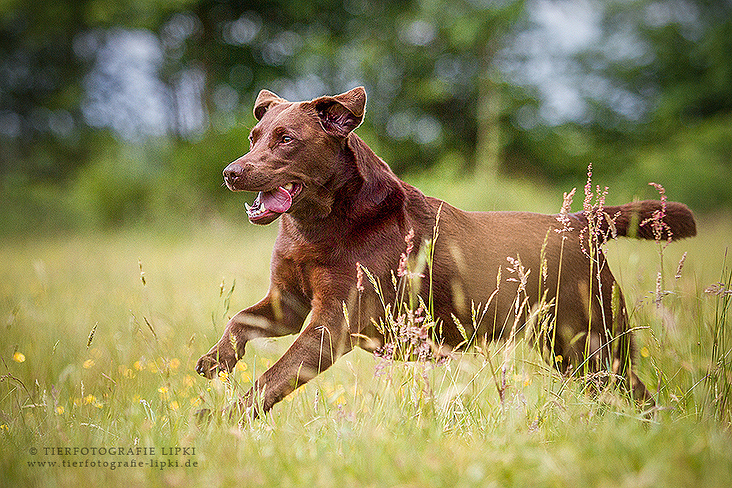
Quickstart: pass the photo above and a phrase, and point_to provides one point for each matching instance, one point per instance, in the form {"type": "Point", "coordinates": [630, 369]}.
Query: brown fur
{"type": "Point", "coordinates": [348, 207]}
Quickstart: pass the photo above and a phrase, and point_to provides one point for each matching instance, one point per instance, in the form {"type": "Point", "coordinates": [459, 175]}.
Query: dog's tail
{"type": "Point", "coordinates": [647, 219]}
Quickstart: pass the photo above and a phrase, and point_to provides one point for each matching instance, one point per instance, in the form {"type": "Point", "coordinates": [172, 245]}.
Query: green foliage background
{"type": "Point", "coordinates": [443, 93]}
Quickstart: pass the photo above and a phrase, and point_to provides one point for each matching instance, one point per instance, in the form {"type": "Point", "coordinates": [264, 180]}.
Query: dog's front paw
{"type": "Point", "coordinates": [210, 365]}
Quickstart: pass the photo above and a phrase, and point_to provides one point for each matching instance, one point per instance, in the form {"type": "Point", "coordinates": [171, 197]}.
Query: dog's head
{"type": "Point", "coordinates": [293, 161]}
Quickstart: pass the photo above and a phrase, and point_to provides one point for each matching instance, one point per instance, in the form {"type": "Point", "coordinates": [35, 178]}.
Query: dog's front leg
{"type": "Point", "coordinates": [276, 315]}
{"type": "Point", "coordinates": [323, 341]}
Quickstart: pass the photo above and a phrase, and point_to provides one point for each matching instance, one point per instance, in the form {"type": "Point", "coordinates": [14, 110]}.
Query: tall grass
{"type": "Point", "coordinates": [101, 334]}
{"type": "Point", "coordinates": [719, 378]}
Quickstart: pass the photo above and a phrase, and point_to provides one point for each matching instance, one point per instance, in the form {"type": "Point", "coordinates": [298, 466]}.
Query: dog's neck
{"type": "Point", "coordinates": [377, 191]}
{"type": "Point", "coordinates": [365, 190]}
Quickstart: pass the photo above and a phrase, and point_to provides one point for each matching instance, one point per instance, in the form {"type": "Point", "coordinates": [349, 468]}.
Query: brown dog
{"type": "Point", "coordinates": [339, 205]}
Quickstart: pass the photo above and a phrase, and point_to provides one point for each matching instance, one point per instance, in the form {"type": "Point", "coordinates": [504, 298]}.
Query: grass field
{"type": "Point", "coordinates": [100, 334]}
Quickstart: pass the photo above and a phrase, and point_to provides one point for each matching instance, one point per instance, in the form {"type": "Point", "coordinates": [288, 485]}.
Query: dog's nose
{"type": "Point", "coordinates": [231, 173]}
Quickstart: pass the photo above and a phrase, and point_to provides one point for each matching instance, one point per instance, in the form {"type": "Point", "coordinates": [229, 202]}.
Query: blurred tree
{"type": "Point", "coordinates": [679, 66]}
{"type": "Point", "coordinates": [673, 56]}
{"type": "Point", "coordinates": [37, 102]}
{"type": "Point", "coordinates": [459, 80]}
{"type": "Point", "coordinates": [425, 63]}
{"type": "Point", "coordinates": [46, 53]}
{"type": "Point", "coordinates": [641, 83]}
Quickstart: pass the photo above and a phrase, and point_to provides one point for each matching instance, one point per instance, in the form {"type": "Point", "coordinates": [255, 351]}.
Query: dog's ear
{"type": "Point", "coordinates": [264, 101]}
{"type": "Point", "coordinates": [341, 114]}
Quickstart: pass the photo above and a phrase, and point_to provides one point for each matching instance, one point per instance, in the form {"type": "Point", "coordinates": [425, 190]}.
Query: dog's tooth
{"type": "Point", "coordinates": [248, 207]}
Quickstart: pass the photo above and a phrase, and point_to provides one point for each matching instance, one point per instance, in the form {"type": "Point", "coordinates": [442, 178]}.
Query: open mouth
{"type": "Point", "coordinates": [271, 204]}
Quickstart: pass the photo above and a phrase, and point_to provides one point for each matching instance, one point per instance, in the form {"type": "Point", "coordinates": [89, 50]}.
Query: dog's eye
{"type": "Point", "coordinates": [286, 139]}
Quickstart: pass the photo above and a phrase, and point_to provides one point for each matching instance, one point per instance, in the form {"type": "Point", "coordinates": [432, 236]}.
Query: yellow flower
{"type": "Point", "coordinates": [5, 427]}
{"type": "Point", "coordinates": [174, 405]}
{"type": "Point", "coordinates": [89, 363]}
{"type": "Point", "coordinates": [18, 357]}
{"type": "Point", "coordinates": [60, 410]}
{"type": "Point", "coordinates": [163, 392]}
{"type": "Point", "coordinates": [645, 352]}
{"type": "Point", "coordinates": [223, 375]}
{"type": "Point", "coordinates": [89, 399]}
{"type": "Point", "coordinates": [241, 366]}
{"type": "Point", "coordinates": [138, 366]}
{"type": "Point", "coordinates": [174, 363]}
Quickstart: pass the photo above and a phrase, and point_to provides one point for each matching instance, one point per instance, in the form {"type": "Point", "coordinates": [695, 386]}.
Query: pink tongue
{"type": "Point", "coordinates": [278, 200]}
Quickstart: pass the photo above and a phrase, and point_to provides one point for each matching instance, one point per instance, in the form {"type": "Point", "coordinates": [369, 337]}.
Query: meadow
{"type": "Point", "coordinates": [101, 331]}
